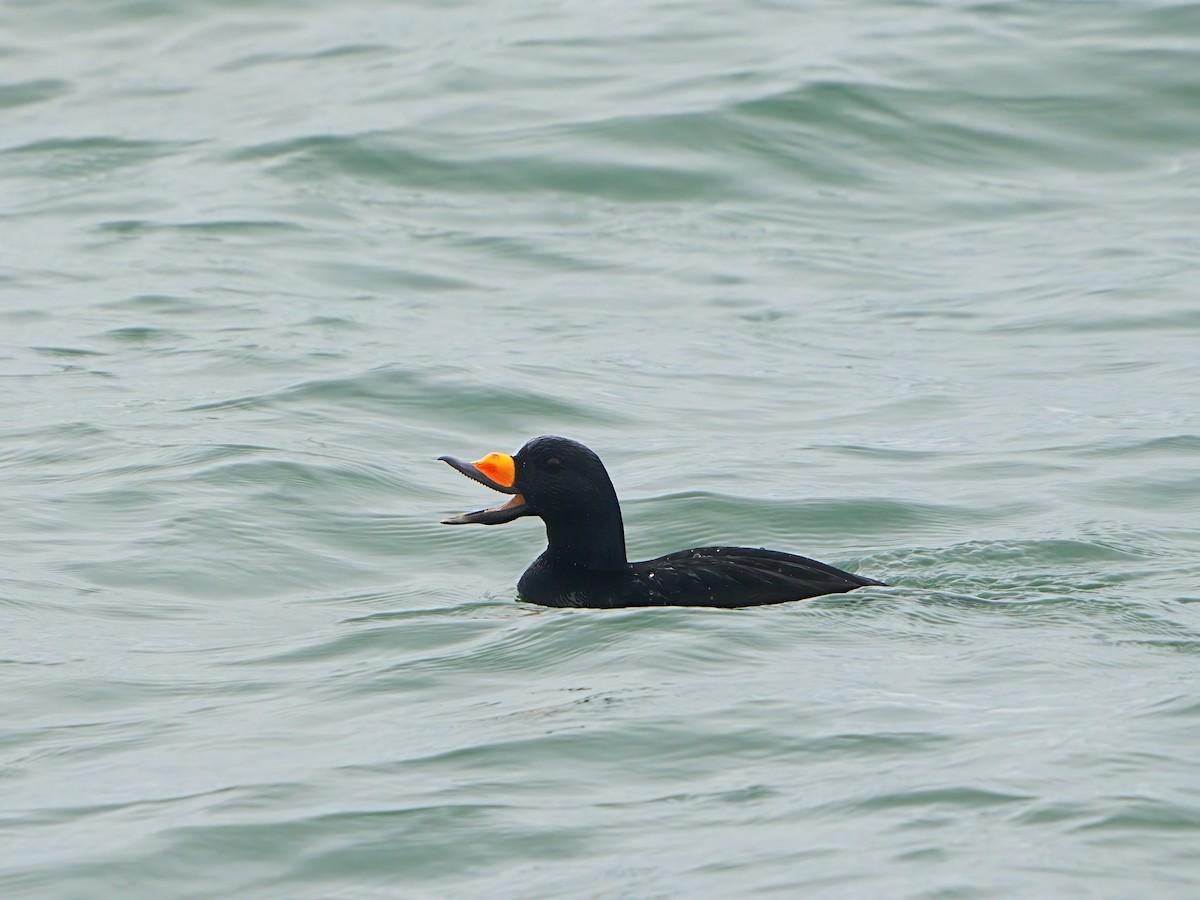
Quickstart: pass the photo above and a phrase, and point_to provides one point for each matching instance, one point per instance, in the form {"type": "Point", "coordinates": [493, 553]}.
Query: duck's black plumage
{"type": "Point", "coordinates": [584, 563]}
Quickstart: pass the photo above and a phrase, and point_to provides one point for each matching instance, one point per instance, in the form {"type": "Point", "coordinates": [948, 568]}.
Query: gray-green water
{"type": "Point", "coordinates": [913, 288]}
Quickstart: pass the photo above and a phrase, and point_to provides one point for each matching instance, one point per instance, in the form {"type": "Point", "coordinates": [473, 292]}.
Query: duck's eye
{"type": "Point", "coordinates": [553, 463]}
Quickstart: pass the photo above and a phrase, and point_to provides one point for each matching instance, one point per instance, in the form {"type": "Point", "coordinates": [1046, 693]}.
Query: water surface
{"type": "Point", "coordinates": [907, 287]}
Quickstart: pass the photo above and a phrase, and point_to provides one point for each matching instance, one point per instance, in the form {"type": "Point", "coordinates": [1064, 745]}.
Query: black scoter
{"type": "Point", "coordinates": [566, 484]}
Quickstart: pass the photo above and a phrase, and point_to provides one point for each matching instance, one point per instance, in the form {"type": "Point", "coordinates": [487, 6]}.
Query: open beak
{"type": "Point", "coordinates": [497, 471]}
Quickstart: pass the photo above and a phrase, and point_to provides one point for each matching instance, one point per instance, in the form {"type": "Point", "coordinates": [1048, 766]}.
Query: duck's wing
{"type": "Point", "coordinates": [739, 576]}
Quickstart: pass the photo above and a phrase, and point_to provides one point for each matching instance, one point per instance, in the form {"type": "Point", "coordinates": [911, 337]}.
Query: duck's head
{"type": "Point", "coordinates": [555, 478]}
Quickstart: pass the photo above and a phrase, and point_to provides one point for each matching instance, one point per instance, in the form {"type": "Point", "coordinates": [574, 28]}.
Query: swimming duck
{"type": "Point", "coordinates": [584, 564]}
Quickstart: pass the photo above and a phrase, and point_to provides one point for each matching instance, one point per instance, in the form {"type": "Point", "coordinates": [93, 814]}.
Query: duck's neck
{"type": "Point", "coordinates": [593, 540]}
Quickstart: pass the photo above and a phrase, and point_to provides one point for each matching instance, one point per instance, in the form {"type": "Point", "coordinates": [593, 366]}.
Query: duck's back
{"type": "Point", "coordinates": [727, 577]}
{"type": "Point", "coordinates": [739, 576]}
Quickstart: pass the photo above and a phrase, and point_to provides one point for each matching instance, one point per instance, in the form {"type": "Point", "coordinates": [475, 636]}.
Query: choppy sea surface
{"type": "Point", "coordinates": [910, 287]}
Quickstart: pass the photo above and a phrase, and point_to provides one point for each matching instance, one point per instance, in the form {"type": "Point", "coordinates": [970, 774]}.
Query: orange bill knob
{"type": "Point", "coordinates": [499, 467]}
